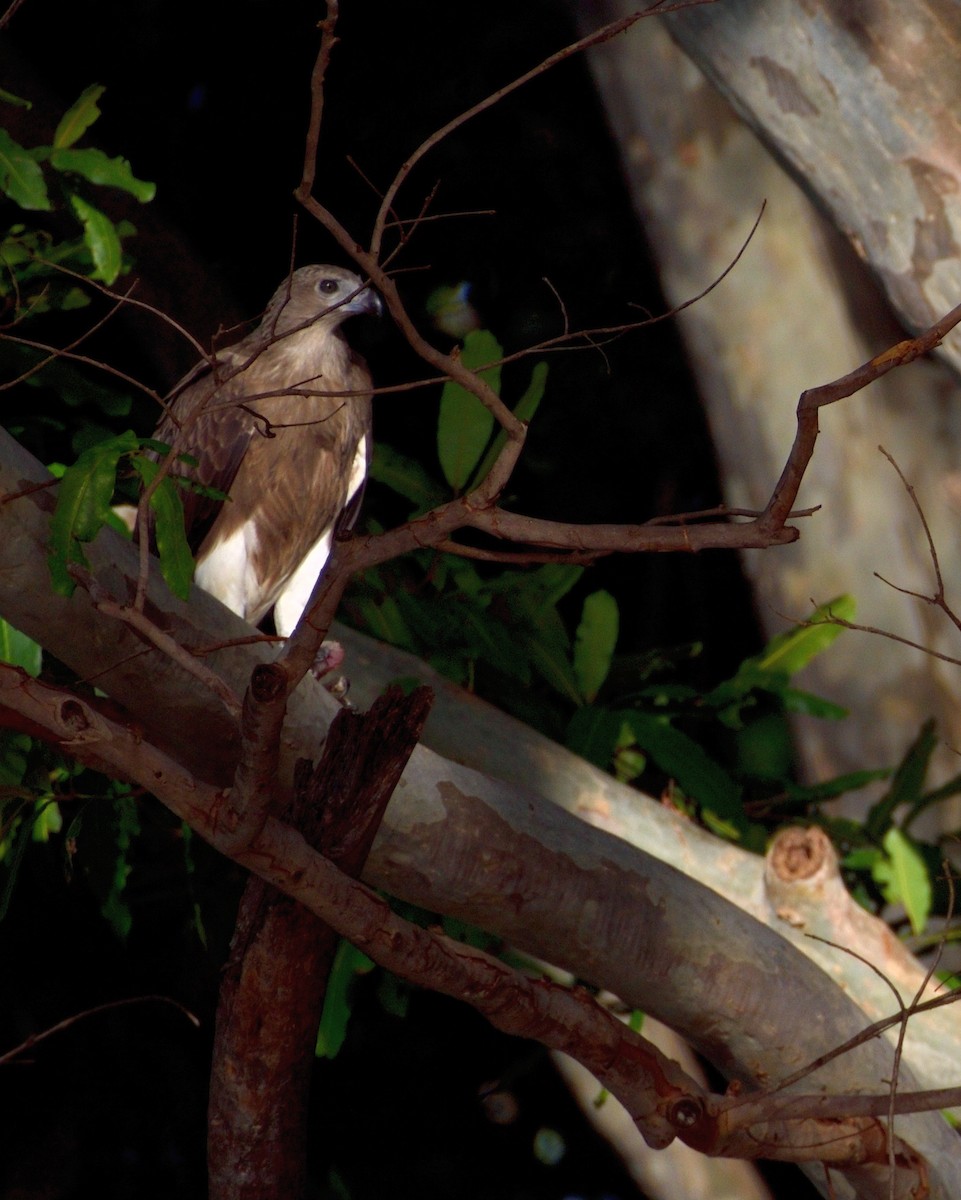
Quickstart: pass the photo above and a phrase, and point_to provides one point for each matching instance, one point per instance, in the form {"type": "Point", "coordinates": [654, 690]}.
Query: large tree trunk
{"type": "Point", "coordinates": [855, 98]}
{"type": "Point", "coordinates": [460, 842]}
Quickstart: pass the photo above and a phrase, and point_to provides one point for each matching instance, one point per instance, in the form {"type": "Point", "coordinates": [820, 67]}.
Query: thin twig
{"type": "Point", "coordinates": [328, 40]}
{"type": "Point", "coordinates": [786, 490]}
{"type": "Point", "coordinates": [939, 600]}
{"type": "Point", "coordinates": [142, 625]}
{"type": "Point", "coordinates": [61, 1026]}
{"type": "Point", "coordinates": [597, 38]}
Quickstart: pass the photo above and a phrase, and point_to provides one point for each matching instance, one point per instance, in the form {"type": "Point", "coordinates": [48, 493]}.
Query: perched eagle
{"type": "Point", "coordinates": [281, 423]}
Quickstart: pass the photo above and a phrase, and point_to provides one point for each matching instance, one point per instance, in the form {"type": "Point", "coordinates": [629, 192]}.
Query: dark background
{"type": "Point", "coordinates": [210, 101]}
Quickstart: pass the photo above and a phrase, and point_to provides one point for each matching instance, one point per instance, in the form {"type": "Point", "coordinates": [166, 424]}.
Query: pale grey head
{"type": "Point", "coordinates": [314, 293]}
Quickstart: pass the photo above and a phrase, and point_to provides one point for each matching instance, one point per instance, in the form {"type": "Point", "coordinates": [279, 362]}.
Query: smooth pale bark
{"type": "Point", "coordinates": [861, 99]}
{"type": "Point", "coordinates": [800, 309]}
{"type": "Point", "coordinates": [499, 855]}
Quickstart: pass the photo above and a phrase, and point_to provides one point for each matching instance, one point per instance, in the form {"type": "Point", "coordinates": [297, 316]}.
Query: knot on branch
{"type": "Point", "coordinates": [686, 1113]}
{"type": "Point", "coordinates": [80, 723]}
{"type": "Point", "coordinates": [268, 682]}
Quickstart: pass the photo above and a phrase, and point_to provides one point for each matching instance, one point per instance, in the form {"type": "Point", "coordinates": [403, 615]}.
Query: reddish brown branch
{"type": "Point", "coordinates": [328, 40]}
{"type": "Point", "coordinates": [662, 1100]}
{"type": "Point", "coordinates": [785, 493]}
{"type": "Point", "coordinates": [255, 783]}
{"type": "Point", "coordinates": [141, 624]}
{"type": "Point", "coordinates": [275, 980]}
{"type": "Point", "coordinates": [61, 1026]}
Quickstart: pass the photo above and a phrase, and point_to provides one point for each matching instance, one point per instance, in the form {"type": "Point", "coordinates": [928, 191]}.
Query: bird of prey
{"type": "Point", "coordinates": [281, 423]}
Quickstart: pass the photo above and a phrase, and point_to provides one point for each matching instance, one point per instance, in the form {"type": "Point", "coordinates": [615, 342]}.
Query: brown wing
{"type": "Point", "coordinates": [204, 424]}
{"type": "Point", "coordinates": [286, 434]}
{"type": "Point", "coordinates": [297, 482]}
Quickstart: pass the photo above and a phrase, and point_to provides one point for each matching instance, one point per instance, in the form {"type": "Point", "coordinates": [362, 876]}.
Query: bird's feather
{"type": "Point", "coordinates": [280, 423]}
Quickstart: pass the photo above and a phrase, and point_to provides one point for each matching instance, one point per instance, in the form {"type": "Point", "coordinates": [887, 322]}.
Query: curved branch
{"type": "Point", "coordinates": [662, 1099]}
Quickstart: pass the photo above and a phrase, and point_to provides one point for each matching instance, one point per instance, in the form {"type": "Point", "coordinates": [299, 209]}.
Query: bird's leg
{"type": "Point", "coordinates": [330, 656]}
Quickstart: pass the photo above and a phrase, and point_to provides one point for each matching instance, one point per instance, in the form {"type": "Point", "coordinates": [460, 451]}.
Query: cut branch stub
{"type": "Point", "coordinates": [280, 958]}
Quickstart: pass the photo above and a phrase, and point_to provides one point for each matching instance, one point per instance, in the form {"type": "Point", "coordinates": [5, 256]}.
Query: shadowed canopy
{"type": "Point", "coordinates": [280, 422]}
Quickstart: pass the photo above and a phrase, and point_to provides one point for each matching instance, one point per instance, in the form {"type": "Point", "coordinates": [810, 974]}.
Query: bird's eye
{"type": "Point", "coordinates": [328, 286]}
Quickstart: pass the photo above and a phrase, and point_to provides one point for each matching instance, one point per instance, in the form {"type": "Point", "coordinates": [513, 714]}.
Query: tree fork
{"type": "Point", "coordinates": [274, 984]}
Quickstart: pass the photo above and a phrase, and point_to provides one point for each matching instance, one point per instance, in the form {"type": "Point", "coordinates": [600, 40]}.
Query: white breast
{"type": "Point", "coordinates": [227, 572]}
{"type": "Point", "coordinates": [293, 599]}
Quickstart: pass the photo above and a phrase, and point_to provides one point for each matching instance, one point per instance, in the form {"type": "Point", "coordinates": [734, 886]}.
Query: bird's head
{"type": "Point", "coordinates": [316, 292]}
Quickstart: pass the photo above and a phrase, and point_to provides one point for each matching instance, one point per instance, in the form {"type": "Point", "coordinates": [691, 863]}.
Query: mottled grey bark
{"type": "Point", "coordinates": [501, 855]}
{"type": "Point", "coordinates": [862, 99]}
{"type": "Point", "coordinates": [838, 93]}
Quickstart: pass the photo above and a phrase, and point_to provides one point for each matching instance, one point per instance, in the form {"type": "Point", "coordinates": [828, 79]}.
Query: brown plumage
{"type": "Point", "coordinates": [293, 465]}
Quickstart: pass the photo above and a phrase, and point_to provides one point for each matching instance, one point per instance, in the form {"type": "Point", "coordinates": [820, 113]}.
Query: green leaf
{"type": "Point", "coordinates": [864, 858]}
{"type": "Point", "coordinates": [463, 624]}
{"type": "Point", "coordinates": [19, 650]}
{"type": "Point", "coordinates": [903, 878]}
{"type": "Point", "coordinates": [809, 705]}
{"type": "Point", "coordinates": [14, 748]}
{"type": "Point", "coordinates": [594, 642]}
{"type": "Point", "coordinates": [16, 101]}
{"type": "Point", "coordinates": [782, 658]}
{"type": "Point", "coordinates": [83, 505]}
{"type": "Point", "coordinates": [95, 166]}
{"type": "Point", "coordinates": [12, 849]}
{"type": "Point", "coordinates": [465, 425]}
{"type": "Point", "coordinates": [533, 591]}
{"type": "Point", "coordinates": [946, 791]}
{"type": "Point", "coordinates": [74, 388]}
{"type": "Point", "coordinates": [907, 786]}
{"type": "Point", "coordinates": [406, 477]}
{"type": "Point", "coordinates": [524, 411]}
{"type": "Point", "coordinates": [173, 550]}
{"type": "Point", "coordinates": [48, 819]}
{"type": "Point", "coordinates": [101, 238]}
{"type": "Point", "coordinates": [393, 994]}
{"type": "Point", "coordinates": [382, 619]}
{"type": "Point", "coordinates": [788, 652]}
{"type": "Point", "coordinates": [348, 962]}
{"type": "Point", "coordinates": [830, 789]}
{"type": "Point", "coordinates": [593, 733]}
{"type": "Point", "coordinates": [21, 177]}
{"type": "Point", "coordinates": [549, 651]}
{"type": "Point", "coordinates": [126, 825]}
{"type": "Point", "coordinates": [679, 756]}
{"type": "Point", "coordinates": [79, 117]}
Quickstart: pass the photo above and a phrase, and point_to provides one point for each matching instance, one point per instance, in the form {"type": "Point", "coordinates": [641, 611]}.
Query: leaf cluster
{"type": "Point", "coordinates": [86, 500]}
{"type": "Point", "coordinates": [63, 175]}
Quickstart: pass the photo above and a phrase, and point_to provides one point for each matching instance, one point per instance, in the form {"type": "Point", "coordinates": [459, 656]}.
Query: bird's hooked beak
{"type": "Point", "coordinates": [365, 301]}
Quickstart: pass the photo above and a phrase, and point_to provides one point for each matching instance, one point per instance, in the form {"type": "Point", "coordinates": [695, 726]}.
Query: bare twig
{"type": "Point", "coordinates": [54, 352]}
{"type": "Point", "coordinates": [61, 1026]}
{"type": "Point", "coordinates": [7, 16]}
{"type": "Point", "coordinates": [328, 40]}
{"type": "Point", "coordinates": [786, 490]}
{"type": "Point", "coordinates": [597, 38]}
{"type": "Point", "coordinates": [142, 625]}
{"type": "Point", "coordinates": [126, 299]}
{"type": "Point", "coordinates": [939, 599]}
